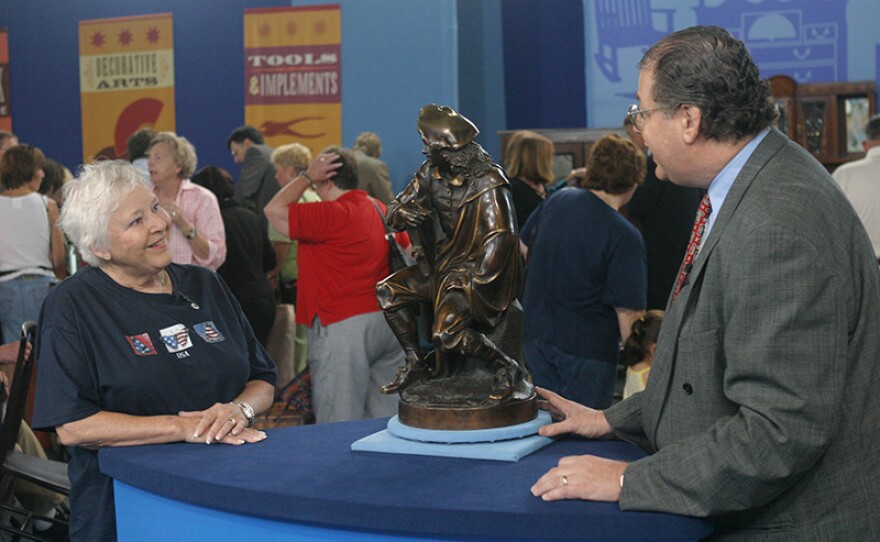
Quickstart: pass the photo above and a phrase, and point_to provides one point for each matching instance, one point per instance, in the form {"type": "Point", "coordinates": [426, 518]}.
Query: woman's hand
{"type": "Point", "coordinates": [323, 167]}
{"type": "Point", "coordinates": [571, 417]}
{"type": "Point", "coordinates": [584, 477]}
{"type": "Point", "coordinates": [174, 212]}
{"type": "Point", "coordinates": [221, 422]}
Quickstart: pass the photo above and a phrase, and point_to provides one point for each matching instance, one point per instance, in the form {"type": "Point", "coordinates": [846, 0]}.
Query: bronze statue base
{"type": "Point", "coordinates": [461, 402]}
{"type": "Point", "coordinates": [468, 418]}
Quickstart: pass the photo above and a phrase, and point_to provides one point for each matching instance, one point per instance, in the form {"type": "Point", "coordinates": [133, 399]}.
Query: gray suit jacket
{"type": "Point", "coordinates": [257, 183]}
{"type": "Point", "coordinates": [373, 177]}
{"type": "Point", "coordinates": [762, 409]}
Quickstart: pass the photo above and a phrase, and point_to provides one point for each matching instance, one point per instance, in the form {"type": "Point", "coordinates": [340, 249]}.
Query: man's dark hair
{"type": "Point", "coordinates": [346, 177]}
{"type": "Point", "coordinates": [707, 67]}
{"type": "Point", "coordinates": [245, 132]}
{"type": "Point", "coordinates": [138, 144]}
{"type": "Point", "coordinates": [217, 180]}
{"type": "Point", "coordinates": [54, 177]}
{"type": "Point", "coordinates": [4, 135]}
{"type": "Point", "coordinates": [872, 131]}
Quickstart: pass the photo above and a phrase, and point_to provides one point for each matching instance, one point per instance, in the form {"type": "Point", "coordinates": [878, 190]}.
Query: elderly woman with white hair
{"type": "Point", "coordinates": [198, 236]}
{"type": "Point", "coordinates": [135, 349]}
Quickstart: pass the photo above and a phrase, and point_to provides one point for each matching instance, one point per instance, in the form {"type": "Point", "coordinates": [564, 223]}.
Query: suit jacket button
{"type": "Point", "coordinates": [688, 389]}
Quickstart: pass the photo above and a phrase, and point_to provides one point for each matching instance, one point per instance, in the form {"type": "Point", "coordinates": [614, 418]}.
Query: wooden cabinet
{"type": "Point", "coordinates": [827, 119]}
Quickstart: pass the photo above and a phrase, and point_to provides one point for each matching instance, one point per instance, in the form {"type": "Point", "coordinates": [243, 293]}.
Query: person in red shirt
{"type": "Point", "coordinates": [342, 254]}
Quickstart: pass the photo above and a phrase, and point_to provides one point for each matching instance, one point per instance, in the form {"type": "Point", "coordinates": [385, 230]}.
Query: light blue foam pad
{"type": "Point", "coordinates": [522, 439]}
{"type": "Point", "coordinates": [496, 434]}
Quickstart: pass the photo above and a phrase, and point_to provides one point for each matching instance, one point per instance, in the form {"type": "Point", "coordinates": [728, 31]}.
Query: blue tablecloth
{"type": "Point", "coordinates": [310, 475]}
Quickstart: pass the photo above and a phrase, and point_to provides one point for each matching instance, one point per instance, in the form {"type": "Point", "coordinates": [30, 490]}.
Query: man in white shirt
{"type": "Point", "coordinates": [860, 181]}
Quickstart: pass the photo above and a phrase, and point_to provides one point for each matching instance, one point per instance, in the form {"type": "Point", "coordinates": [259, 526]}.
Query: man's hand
{"type": "Point", "coordinates": [9, 352]}
{"type": "Point", "coordinates": [571, 417]}
{"type": "Point", "coordinates": [584, 477]}
{"type": "Point", "coordinates": [412, 214]}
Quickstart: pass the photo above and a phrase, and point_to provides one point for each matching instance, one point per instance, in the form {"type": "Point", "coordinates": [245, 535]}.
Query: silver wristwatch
{"type": "Point", "coordinates": [247, 410]}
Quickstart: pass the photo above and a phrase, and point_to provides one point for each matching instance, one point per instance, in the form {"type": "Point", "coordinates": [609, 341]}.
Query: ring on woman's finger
{"type": "Point", "coordinates": [230, 420]}
{"type": "Point", "coordinates": [565, 480]}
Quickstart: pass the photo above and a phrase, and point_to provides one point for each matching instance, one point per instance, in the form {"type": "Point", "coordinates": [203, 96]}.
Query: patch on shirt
{"type": "Point", "coordinates": [141, 344]}
{"type": "Point", "coordinates": [176, 338]}
{"type": "Point", "coordinates": [209, 332]}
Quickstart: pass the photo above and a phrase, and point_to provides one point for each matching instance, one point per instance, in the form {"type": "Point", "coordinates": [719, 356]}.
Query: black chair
{"type": "Point", "coordinates": [43, 472]}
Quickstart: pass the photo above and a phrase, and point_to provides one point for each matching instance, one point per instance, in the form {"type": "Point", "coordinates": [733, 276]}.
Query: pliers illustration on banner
{"type": "Point", "coordinates": [272, 129]}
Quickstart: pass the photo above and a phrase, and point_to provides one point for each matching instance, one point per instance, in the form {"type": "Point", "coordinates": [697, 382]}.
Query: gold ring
{"type": "Point", "coordinates": [230, 420]}
{"type": "Point", "coordinates": [565, 480]}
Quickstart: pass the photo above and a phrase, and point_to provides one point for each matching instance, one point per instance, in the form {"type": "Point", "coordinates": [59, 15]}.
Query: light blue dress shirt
{"type": "Point", "coordinates": [720, 185]}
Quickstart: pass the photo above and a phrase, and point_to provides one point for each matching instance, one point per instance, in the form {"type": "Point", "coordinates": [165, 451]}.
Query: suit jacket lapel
{"type": "Point", "coordinates": [677, 311]}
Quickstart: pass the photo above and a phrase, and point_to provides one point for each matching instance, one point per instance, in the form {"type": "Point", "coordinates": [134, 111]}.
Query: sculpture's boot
{"type": "Point", "coordinates": [508, 370]}
{"type": "Point", "coordinates": [413, 370]}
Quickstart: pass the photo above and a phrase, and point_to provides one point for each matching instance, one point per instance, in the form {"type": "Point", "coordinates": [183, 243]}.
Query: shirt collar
{"type": "Point", "coordinates": [721, 184]}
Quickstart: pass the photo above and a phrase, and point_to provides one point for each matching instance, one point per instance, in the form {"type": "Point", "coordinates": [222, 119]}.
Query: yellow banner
{"type": "Point", "coordinates": [293, 87]}
{"type": "Point", "coordinates": [5, 108]}
{"type": "Point", "coordinates": [126, 80]}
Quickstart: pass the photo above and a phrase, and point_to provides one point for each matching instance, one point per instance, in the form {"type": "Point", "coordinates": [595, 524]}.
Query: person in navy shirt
{"type": "Point", "coordinates": [136, 350]}
{"type": "Point", "coordinates": [586, 277]}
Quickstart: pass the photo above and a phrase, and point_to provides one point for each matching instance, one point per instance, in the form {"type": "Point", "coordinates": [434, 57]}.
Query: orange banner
{"type": "Point", "coordinates": [126, 80]}
{"type": "Point", "coordinates": [5, 108]}
{"type": "Point", "coordinates": [293, 87]}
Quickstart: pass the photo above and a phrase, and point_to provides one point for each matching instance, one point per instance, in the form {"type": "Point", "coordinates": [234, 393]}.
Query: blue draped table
{"type": "Point", "coordinates": [305, 483]}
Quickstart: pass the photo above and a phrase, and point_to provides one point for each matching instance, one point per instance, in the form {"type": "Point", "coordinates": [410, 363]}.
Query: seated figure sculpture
{"type": "Point", "coordinates": [459, 213]}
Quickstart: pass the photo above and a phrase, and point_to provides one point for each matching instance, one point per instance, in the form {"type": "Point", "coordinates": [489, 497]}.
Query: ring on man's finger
{"type": "Point", "coordinates": [565, 480]}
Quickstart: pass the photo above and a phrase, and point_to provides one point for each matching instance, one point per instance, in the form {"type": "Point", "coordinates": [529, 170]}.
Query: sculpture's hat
{"type": "Point", "coordinates": [443, 128]}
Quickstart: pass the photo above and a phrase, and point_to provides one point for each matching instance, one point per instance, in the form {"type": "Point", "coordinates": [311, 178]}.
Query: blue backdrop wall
{"type": "Point", "coordinates": [507, 64]}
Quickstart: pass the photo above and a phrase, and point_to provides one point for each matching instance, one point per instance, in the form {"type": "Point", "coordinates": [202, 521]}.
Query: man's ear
{"type": "Point", "coordinates": [691, 118]}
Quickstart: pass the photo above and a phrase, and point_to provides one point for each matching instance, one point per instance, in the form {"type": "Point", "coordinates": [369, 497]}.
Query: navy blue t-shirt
{"type": "Point", "coordinates": [104, 347]}
{"type": "Point", "coordinates": [584, 260]}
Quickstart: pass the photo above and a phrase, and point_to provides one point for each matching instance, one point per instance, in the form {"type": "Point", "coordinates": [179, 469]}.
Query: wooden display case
{"type": "Point", "coordinates": [827, 119]}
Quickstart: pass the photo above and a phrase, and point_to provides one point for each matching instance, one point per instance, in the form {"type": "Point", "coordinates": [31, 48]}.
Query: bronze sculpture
{"type": "Point", "coordinates": [459, 213]}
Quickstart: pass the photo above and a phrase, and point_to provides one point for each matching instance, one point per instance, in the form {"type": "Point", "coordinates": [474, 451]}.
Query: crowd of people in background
{"type": "Point", "coordinates": [219, 223]}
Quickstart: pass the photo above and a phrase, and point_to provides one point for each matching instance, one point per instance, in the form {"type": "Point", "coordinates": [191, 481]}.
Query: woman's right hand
{"type": "Point", "coordinates": [245, 436]}
{"type": "Point", "coordinates": [571, 417]}
{"type": "Point", "coordinates": [323, 167]}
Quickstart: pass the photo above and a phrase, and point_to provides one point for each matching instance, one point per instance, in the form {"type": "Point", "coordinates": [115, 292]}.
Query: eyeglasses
{"type": "Point", "coordinates": [638, 115]}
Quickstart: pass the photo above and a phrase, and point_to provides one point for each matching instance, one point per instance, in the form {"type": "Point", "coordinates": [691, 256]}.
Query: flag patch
{"type": "Point", "coordinates": [176, 338]}
{"type": "Point", "coordinates": [209, 332]}
{"type": "Point", "coordinates": [141, 344]}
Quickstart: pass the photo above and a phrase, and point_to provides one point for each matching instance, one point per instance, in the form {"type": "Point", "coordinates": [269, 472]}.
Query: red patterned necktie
{"type": "Point", "coordinates": [703, 212]}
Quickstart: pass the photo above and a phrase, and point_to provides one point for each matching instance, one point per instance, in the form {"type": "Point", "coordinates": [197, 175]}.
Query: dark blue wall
{"type": "Point", "coordinates": [544, 63]}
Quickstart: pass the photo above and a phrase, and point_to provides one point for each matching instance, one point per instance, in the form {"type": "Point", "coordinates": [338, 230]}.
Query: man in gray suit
{"type": "Point", "coordinates": [372, 172]}
{"type": "Point", "coordinates": [256, 184]}
{"type": "Point", "coordinates": [761, 411]}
